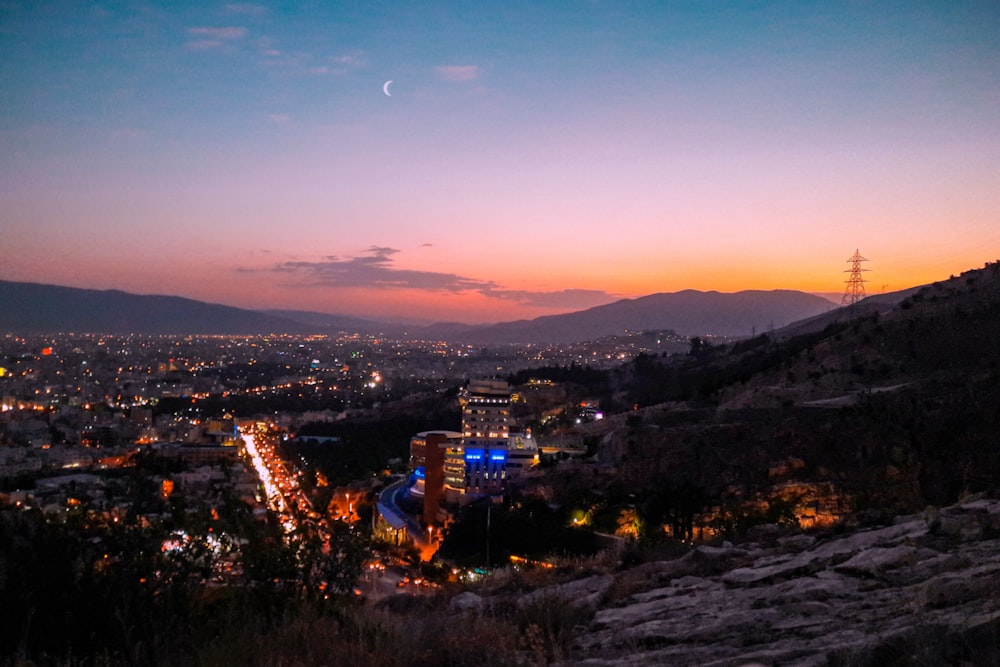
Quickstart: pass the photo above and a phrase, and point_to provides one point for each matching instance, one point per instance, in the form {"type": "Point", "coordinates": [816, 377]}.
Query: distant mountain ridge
{"type": "Point", "coordinates": [326, 321]}
{"type": "Point", "coordinates": [38, 308]}
{"type": "Point", "coordinates": [877, 303]}
{"type": "Point", "coordinates": [688, 313]}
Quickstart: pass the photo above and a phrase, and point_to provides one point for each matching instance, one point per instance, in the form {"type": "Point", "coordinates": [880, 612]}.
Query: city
{"type": "Point", "coordinates": [499, 334]}
{"type": "Point", "coordinates": [318, 477]}
{"type": "Point", "coordinates": [78, 410]}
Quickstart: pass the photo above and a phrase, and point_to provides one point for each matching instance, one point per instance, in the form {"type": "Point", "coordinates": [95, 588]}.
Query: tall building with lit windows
{"type": "Point", "coordinates": [485, 436]}
{"type": "Point", "coordinates": [432, 476]}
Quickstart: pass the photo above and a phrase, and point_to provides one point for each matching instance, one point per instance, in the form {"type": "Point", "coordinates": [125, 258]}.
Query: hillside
{"type": "Point", "coordinates": [879, 303]}
{"type": "Point", "coordinates": [941, 332]}
{"type": "Point", "coordinates": [919, 590]}
{"type": "Point", "coordinates": [689, 313]}
{"type": "Point", "coordinates": [882, 413]}
{"type": "Point", "coordinates": [36, 308]}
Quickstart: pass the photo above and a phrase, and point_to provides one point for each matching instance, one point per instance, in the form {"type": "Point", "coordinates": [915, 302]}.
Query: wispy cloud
{"type": "Point", "coordinates": [346, 62]}
{"type": "Point", "coordinates": [567, 298]}
{"type": "Point", "coordinates": [303, 63]}
{"type": "Point", "coordinates": [290, 61]}
{"type": "Point", "coordinates": [227, 33]}
{"type": "Point", "coordinates": [211, 38]}
{"type": "Point", "coordinates": [279, 118]}
{"type": "Point", "coordinates": [374, 270]}
{"type": "Point", "coordinates": [246, 9]}
{"type": "Point", "coordinates": [458, 73]}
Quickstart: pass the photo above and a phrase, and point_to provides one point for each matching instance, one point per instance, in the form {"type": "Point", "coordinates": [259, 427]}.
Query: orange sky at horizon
{"type": "Point", "coordinates": [532, 159]}
{"type": "Point", "coordinates": [260, 292]}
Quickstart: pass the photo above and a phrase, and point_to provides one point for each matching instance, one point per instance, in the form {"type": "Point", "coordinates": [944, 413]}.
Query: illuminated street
{"type": "Point", "coordinates": [284, 495]}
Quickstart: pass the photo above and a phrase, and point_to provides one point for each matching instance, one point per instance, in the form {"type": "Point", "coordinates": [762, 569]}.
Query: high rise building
{"type": "Point", "coordinates": [427, 460]}
{"type": "Point", "coordinates": [485, 436]}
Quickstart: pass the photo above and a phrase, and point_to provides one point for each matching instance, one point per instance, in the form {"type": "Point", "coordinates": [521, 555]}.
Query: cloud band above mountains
{"type": "Point", "coordinates": [375, 270]}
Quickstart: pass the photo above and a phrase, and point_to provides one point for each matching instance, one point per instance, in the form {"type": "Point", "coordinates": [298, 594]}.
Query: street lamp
{"type": "Point", "coordinates": [489, 511]}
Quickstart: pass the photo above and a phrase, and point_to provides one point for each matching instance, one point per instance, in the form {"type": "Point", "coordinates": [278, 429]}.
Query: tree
{"type": "Point", "coordinates": [630, 524]}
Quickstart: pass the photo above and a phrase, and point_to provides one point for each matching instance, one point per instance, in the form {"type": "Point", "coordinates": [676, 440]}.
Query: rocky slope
{"type": "Point", "coordinates": [923, 590]}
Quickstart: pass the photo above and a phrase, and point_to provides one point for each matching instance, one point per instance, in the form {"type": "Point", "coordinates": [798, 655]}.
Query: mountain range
{"type": "Point", "coordinates": [688, 313]}
{"type": "Point", "coordinates": [38, 308]}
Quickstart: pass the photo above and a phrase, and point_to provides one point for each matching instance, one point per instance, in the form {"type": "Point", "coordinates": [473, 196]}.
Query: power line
{"type": "Point", "coordinates": [855, 283]}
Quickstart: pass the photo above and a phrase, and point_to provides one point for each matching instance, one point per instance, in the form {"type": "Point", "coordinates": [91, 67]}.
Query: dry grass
{"type": "Point", "coordinates": [370, 637]}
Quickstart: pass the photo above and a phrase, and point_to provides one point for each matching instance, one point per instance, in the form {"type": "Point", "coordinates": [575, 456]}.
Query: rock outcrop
{"type": "Point", "coordinates": [925, 590]}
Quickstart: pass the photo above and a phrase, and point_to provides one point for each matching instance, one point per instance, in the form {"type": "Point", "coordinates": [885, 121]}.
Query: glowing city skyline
{"type": "Point", "coordinates": [532, 158]}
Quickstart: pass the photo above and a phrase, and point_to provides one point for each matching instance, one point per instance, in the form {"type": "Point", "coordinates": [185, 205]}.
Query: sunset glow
{"type": "Point", "coordinates": [532, 158]}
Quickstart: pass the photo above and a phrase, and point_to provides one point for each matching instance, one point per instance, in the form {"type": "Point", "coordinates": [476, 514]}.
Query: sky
{"type": "Point", "coordinates": [527, 158]}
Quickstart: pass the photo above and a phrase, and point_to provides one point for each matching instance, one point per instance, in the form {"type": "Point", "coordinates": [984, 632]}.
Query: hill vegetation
{"type": "Point", "coordinates": [875, 412]}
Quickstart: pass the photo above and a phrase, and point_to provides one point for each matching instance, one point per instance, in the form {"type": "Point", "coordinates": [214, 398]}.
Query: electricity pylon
{"type": "Point", "coordinates": [855, 283]}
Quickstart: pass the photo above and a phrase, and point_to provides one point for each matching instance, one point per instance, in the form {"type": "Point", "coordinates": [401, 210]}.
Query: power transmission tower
{"type": "Point", "coordinates": [855, 283]}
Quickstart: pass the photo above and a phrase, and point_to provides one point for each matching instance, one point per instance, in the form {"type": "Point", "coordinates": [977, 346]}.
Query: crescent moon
{"type": "Point", "coordinates": [385, 87]}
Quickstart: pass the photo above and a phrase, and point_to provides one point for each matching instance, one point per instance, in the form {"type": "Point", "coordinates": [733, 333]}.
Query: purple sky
{"type": "Point", "coordinates": [532, 157]}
